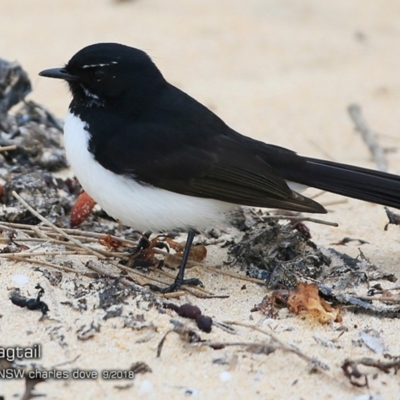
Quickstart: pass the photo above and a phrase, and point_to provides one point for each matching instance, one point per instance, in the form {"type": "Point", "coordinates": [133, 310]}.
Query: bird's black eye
{"type": "Point", "coordinates": [98, 74]}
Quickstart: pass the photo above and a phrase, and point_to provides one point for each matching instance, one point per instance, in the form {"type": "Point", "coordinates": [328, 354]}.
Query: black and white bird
{"type": "Point", "coordinates": [156, 159]}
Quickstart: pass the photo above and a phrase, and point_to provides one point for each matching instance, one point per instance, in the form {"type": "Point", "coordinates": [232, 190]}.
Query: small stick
{"type": "Point", "coordinates": [47, 264]}
{"type": "Point", "coordinates": [99, 269]}
{"type": "Point", "coordinates": [8, 148]}
{"type": "Point", "coordinates": [234, 275]}
{"type": "Point", "coordinates": [71, 232]}
{"type": "Point", "coordinates": [286, 347]}
{"type": "Point", "coordinates": [387, 299]}
{"type": "Point", "coordinates": [368, 136]}
{"type": "Point", "coordinates": [39, 253]}
{"type": "Point", "coordinates": [334, 202]}
{"type": "Point", "coordinates": [300, 218]}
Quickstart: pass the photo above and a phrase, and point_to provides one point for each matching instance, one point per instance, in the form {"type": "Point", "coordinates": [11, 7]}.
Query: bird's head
{"type": "Point", "coordinates": [101, 73]}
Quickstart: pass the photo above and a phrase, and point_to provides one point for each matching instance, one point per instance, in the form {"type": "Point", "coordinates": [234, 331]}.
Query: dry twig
{"type": "Point", "coordinates": [368, 136]}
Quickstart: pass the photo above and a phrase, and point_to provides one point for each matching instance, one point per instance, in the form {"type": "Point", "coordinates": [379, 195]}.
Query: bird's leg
{"type": "Point", "coordinates": [179, 280]}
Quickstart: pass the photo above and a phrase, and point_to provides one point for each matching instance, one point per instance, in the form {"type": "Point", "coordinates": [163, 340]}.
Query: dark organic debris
{"type": "Point", "coordinates": [192, 312]}
{"type": "Point", "coordinates": [12, 246]}
{"type": "Point", "coordinates": [87, 331]}
{"type": "Point", "coordinates": [14, 85]}
{"type": "Point", "coordinates": [37, 139]}
{"type": "Point", "coordinates": [31, 304]}
{"type": "Point", "coordinates": [113, 295]}
{"type": "Point", "coordinates": [283, 257]}
{"type": "Point", "coordinates": [54, 277]}
{"type": "Point", "coordinates": [270, 303]}
{"type": "Point", "coordinates": [143, 255]}
{"type": "Point", "coordinates": [136, 322]}
{"type": "Point", "coordinates": [394, 219]}
{"type": "Point", "coordinates": [360, 379]}
{"type": "Point", "coordinates": [32, 135]}
{"type": "Point", "coordinates": [354, 375]}
{"type": "Point", "coordinates": [140, 367]}
{"type": "Point", "coordinates": [279, 254]}
{"type": "Point", "coordinates": [40, 190]}
{"type": "Point", "coordinates": [185, 333]}
{"type": "Point", "coordinates": [355, 304]}
{"type": "Point", "coordinates": [346, 240]}
{"type": "Point", "coordinates": [113, 312]}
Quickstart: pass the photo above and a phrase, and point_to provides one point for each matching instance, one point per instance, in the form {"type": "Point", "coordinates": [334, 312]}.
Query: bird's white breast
{"type": "Point", "coordinates": [142, 207]}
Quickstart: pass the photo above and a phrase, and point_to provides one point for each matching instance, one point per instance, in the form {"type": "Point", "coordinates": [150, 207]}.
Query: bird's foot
{"type": "Point", "coordinates": [176, 285]}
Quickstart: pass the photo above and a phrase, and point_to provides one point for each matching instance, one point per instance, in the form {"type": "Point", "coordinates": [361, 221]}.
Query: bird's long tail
{"type": "Point", "coordinates": [351, 181]}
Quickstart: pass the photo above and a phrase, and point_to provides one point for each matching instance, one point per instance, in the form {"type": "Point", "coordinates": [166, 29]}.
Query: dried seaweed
{"type": "Point", "coordinates": [283, 256]}
{"type": "Point", "coordinates": [360, 379]}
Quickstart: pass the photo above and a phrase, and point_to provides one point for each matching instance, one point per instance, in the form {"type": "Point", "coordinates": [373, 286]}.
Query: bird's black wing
{"type": "Point", "coordinates": [183, 147]}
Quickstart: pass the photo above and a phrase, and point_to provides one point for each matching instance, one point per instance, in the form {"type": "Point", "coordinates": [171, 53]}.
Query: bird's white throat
{"type": "Point", "coordinates": [142, 207]}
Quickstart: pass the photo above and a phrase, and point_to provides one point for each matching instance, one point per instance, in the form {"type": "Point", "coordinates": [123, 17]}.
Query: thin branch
{"type": "Point", "coordinates": [300, 218]}
{"type": "Point", "coordinates": [286, 347]}
{"type": "Point", "coordinates": [234, 275]}
{"type": "Point", "coordinates": [40, 253]}
{"type": "Point", "coordinates": [8, 148]}
{"type": "Point", "coordinates": [368, 136]}
{"type": "Point", "coordinates": [43, 263]}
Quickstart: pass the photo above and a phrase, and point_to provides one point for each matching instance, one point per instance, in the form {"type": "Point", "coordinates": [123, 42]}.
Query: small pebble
{"type": "Point", "coordinates": [146, 387]}
{"type": "Point", "coordinates": [20, 279]}
{"type": "Point", "coordinates": [225, 376]}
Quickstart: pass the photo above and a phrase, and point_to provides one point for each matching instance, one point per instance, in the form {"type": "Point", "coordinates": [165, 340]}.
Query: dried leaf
{"type": "Point", "coordinates": [82, 209]}
{"type": "Point", "coordinates": [197, 253]}
{"type": "Point", "coordinates": [111, 243]}
{"type": "Point", "coordinates": [305, 298]}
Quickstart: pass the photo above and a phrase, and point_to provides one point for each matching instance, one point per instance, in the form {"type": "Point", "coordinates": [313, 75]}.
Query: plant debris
{"type": "Point", "coordinates": [278, 254]}
{"type": "Point", "coordinates": [81, 210]}
{"type": "Point", "coordinates": [186, 334]}
{"type": "Point", "coordinates": [203, 322]}
{"type": "Point", "coordinates": [393, 218]}
{"type": "Point", "coordinates": [197, 253]}
{"type": "Point", "coordinates": [346, 240]}
{"type": "Point", "coordinates": [305, 299]}
{"type": "Point", "coordinates": [360, 379]}
{"type": "Point", "coordinates": [31, 304]}
{"type": "Point", "coordinates": [41, 191]}
{"type": "Point", "coordinates": [14, 85]}
{"type": "Point", "coordinates": [284, 258]}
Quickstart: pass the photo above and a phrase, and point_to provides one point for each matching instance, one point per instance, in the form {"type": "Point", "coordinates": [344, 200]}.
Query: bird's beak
{"type": "Point", "coordinates": [58, 73]}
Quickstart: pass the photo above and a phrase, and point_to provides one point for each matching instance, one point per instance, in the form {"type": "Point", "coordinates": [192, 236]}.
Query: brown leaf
{"type": "Point", "coordinates": [305, 298]}
{"type": "Point", "coordinates": [197, 253]}
{"type": "Point", "coordinates": [82, 209]}
{"type": "Point", "coordinates": [111, 243]}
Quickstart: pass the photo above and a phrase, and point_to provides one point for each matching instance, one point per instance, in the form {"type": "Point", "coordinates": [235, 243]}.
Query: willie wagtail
{"type": "Point", "coordinates": [156, 159]}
